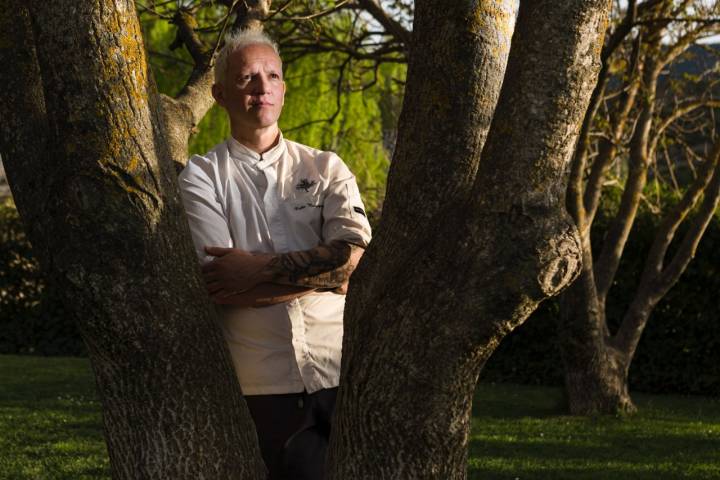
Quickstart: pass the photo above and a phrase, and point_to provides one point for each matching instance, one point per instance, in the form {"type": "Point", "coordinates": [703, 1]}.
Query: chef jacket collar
{"type": "Point", "coordinates": [261, 161]}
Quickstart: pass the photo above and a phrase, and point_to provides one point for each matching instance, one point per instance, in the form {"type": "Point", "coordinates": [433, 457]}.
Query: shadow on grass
{"type": "Point", "coordinates": [524, 433]}
{"type": "Point", "coordinates": [503, 401]}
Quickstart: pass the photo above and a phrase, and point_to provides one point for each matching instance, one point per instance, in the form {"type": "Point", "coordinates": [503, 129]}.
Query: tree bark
{"type": "Point", "coordinates": [412, 355]}
{"type": "Point", "coordinates": [92, 178]}
{"type": "Point", "coordinates": [595, 372]}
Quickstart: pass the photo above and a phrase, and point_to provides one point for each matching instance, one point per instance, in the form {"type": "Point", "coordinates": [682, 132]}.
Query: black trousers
{"type": "Point", "coordinates": [293, 430]}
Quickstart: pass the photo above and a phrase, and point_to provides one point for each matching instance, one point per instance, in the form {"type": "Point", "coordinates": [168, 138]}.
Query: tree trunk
{"type": "Point", "coordinates": [93, 181]}
{"type": "Point", "coordinates": [502, 240]}
{"type": "Point", "coordinates": [595, 372]}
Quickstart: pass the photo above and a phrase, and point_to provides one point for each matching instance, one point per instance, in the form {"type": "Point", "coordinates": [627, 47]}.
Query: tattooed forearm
{"type": "Point", "coordinates": [325, 266]}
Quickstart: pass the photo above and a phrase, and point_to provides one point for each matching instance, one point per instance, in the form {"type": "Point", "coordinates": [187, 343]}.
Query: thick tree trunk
{"type": "Point", "coordinates": [412, 354]}
{"type": "Point", "coordinates": [595, 372]}
{"type": "Point", "coordinates": [93, 181]}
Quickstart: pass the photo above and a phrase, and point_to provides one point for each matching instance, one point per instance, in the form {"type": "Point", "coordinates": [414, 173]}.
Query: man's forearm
{"type": "Point", "coordinates": [326, 266]}
{"type": "Point", "coordinates": [264, 295]}
{"type": "Point", "coordinates": [235, 271]}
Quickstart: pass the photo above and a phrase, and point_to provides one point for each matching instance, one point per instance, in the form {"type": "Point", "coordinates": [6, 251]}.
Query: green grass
{"type": "Point", "coordinates": [50, 424]}
{"type": "Point", "coordinates": [50, 428]}
{"type": "Point", "coordinates": [520, 432]}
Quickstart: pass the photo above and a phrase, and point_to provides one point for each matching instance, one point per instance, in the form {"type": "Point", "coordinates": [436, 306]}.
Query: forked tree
{"type": "Point", "coordinates": [641, 125]}
{"type": "Point", "coordinates": [473, 236]}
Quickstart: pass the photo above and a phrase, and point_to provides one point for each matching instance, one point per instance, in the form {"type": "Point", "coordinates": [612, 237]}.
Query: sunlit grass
{"type": "Point", "coordinates": [50, 428]}
{"type": "Point", "coordinates": [521, 432]}
{"type": "Point", "coordinates": [50, 425]}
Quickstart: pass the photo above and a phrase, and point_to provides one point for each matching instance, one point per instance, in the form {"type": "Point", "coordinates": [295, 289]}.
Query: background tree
{"type": "Point", "coordinates": [640, 130]}
{"type": "Point", "coordinates": [89, 143]}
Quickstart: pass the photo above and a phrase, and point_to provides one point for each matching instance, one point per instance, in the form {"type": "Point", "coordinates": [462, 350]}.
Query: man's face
{"type": "Point", "coordinates": [253, 91]}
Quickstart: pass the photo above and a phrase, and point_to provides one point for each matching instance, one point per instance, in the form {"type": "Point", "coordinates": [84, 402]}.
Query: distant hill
{"type": "Point", "coordinates": [698, 59]}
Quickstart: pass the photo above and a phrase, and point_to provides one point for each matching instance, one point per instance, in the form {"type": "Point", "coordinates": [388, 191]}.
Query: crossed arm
{"type": "Point", "coordinates": [241, 278]}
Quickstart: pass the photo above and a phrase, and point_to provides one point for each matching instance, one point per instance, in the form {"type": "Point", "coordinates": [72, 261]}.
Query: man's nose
{"type": "Point", "coordinates": [262, 84]}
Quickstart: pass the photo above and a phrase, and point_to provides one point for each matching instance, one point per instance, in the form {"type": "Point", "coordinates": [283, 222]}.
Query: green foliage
{"type": "Point", "coordinates": [348, 118]}
{"type": "Point", "coordinates": [32, 317]}
{"type": "Point", "coordinates": [50, 429]}
{"type": "Point", "coordinates": [352, 124]}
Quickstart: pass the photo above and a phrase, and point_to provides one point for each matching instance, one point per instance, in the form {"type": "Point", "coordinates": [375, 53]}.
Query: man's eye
{"type": "Point", "coordinates": [274, 75]}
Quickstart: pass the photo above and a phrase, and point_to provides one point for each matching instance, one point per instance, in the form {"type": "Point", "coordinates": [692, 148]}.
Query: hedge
{"type": "Point", "coordinates": [679, 351]}
{"type": "Point", "coordinates": [33, 319]}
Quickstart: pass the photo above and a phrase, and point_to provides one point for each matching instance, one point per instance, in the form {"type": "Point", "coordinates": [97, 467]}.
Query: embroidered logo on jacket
{"type": "Point", "coordinates": [305, 184]}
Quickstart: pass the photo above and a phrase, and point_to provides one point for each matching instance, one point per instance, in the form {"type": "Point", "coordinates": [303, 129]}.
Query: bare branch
{"type": "Point", "coordinates": [668, 228]}
{"type": "Point", "coordinates": [392, 26]}
{"type": "Point", "coordinates": [574, 196]}
{"type": "Point", "coordinates": [607, 152]}
{"type": "Point", "coordinates": [666, 20]}
{"type": "Point", "coordinates": [678, 113]}
{"type": "Point", "coordinates": [690, 241]}
{"type": "Point", "coordinates": [616, 238]}
{"type": "Point", "coordinates": [655, 282]}
{"type": "Point", "coordinates": [303, 18]}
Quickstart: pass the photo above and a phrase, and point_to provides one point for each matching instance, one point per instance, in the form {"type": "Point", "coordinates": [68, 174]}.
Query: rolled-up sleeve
{"type": "Point", "coordinates": [344, 216]}
{"type": "Point", "coordinates": [205, 214]}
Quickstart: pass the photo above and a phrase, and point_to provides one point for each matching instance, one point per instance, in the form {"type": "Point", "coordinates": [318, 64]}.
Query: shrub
{"type": "Point", "coordinates": [32, 317]}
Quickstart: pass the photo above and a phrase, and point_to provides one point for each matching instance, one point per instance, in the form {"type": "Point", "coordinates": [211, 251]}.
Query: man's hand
{"type": "Point", "coordinates": [234, 271]}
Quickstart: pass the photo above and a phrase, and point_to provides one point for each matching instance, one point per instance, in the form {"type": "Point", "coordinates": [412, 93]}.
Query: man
{"type": "Point", "coordinates": [279, 228]}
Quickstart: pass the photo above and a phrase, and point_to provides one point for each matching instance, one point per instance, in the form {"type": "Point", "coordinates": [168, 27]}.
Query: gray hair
{"type": "Point", "coordinates": [236, 41]}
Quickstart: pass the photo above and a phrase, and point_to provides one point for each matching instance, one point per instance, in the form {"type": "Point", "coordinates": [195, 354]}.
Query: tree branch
{"type": "Point", "coordinates": [341, 5]}
{"type": "Point", "coordinates": [574, 197]}
{"type": "Point", "coordinates": [666, 20]}
{"type": "Point", "coordinates": [678, 113]}
{"type": "Point", "coordinates": [392, 26]}
{"type": "Point", "coordinates": [655, 282]}
{"type": "Point", "coordinates": [186, 35]}
{"type": "Point", "coordinates": [668, 228]}
{"type": "Point", "coordinates": [616, 238]}
{"type": "Point", "coordinates": [607, 153]}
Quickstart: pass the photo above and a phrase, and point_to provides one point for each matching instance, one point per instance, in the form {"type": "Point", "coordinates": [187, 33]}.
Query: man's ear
{"type": "Point", "coordinates": [284, 92]}
{"type": "Point", "coordinates": [218, 94]}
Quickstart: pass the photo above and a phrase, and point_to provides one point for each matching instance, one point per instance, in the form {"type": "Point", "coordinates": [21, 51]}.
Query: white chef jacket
{"type": "Point", "coordinates": [290, 198]}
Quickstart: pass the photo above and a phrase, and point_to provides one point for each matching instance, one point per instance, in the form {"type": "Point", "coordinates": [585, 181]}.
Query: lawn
{"type": "Point", "coordinates": [50, 428]}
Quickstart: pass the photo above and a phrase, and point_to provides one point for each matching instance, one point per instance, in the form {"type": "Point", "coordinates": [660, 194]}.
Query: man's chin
{"type": "Point", "coordinates": [260, 123]}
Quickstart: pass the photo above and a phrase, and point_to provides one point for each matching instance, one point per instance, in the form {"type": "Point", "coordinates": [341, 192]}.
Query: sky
{"type": "Point", "coordinates": [713, 39]}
